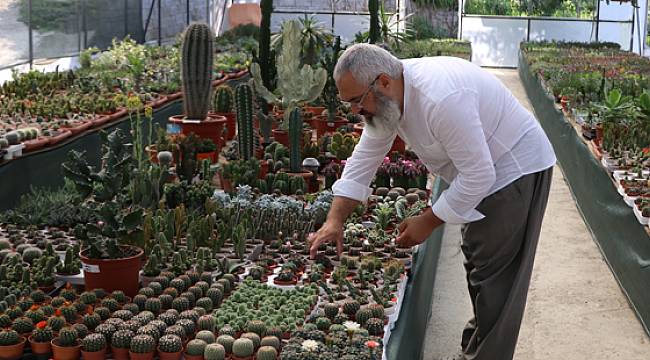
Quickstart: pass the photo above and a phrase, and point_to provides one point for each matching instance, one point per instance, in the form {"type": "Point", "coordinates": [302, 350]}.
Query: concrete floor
{"type": "Point", "coordinates": [575, 310]}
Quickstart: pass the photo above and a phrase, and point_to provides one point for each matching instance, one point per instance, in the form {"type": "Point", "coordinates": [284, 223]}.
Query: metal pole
{"type": "Point", "coordinates": [83, 23]}
{"type": "Point", "coordinates": [597, 19]}
{"type": "Point", "coordinates": [159, 24]}
{"type": "Point", "coordinates": [76, 11]}
{"type": "Point", "coordinates": [126, 17]}
{"type": "Point", "coordinates": [187, 12]}
{"type": "Point", "coordinates": [632, 35]}
{"type": "Point", "coordinates": [31, 39]}
{"type": "Point", "coordinates": [528, 31]}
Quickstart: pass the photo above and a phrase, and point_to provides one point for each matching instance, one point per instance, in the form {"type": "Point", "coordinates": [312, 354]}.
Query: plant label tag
{"type": "Point", "coordinates": [186, 121]}
{"type": "Point", "coordinates": [330, 124]}
{"type": "Point", "coordinates": [173, 129]}
{"type": "Point", "coordinates": [90, 268]}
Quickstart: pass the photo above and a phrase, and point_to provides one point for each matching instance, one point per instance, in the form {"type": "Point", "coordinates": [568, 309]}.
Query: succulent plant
{"type": "Point", "coordinates": [123, 314]}
{"type": "Point", "coordinates": [9, 337]}
{"type": "Point", "coordinates": [68, 337]}
{"type": "Point", "coordinates": [170, 318]}
{"type": "Point", "coordinates": [187, 324]}
{"type": "Point", "coordinates": [166, 301]}
{"type": "Point", "coordinates": [92, 320]}
{"type": "Point", "coordinates": [215, 294]}
{"type": "Point", "coordinates": [337, 327]}
{"type": "Point", "coordinates": [115, 322]}
{"type": "Point", "coordinates": [159, 324]}
{"type": "Point", "coordinates": [121, 339]}
{"type": "Point", "coordinates": [271, 341]}
{"type": "Point", "coordinates": [375, 326]}
{"type": "Point", "coordinates": [42, 333]}
{"type": "Point", "coordinates": [331, 310]}
{"type": "Point", "coordinates": [206, 335]}
{"type": "Point", "coordinates": [323, 323]}
{"type": "Point", "coordinates": [15, 312]}
{"type": "Point", "coordinates": [142, 344]}
{"type": "Point", "coordinates": [5, 321]}
{"type": "Point", "coordinates": [176, 330]}
{"type": "Point", "coordinates": [196, 69]}
{"type": "Point", "coordinates": [214, 352]}
{"type": "Point", "coordinates": [181, 304]}
{"type": "Point", "coordinates": [177, 284]}
{"type": "Point", "coordinates": [150, 330]}
{"type": "Point", "coordinates": [57, 301]}
{"type": "Point", "coordinates": [256, 326]}
{"type": "Point", "coordinates": [119, 296]}
{"type": "Point", "coordinates": [350, 307]}
{"type": "Point", "coordinates": [106, 329]}
{"type": "Point", "coordinates": [81, 330]}
{"type": "Point", "coordinates": [206, 322]}
{"type": "Point", "coordinates": [190, 314]}
{"type": "Point", "coordinates": [196, 347]}
{"type": "Point", "coordinates": [243, 348]}
{"type": "Point", "coordinates": [23, 325]}
{"type": "Point", "coordinates": [140, 300]}
{"type": "Point", "coordinates": [227, 342]}
{"type": "Point", "coordinates": [205, 303]}
{"type": "Point", "coordinates": [267, 353]}
{"type": "Point", "coordinates": [103, 312]}
{"type": "Point", "coordinates": [93, 343]}
{"type": "Point", "coordinates": [170, 344]}
{"type": "Point", "coordinates": [35, 315]}
{"type": "Point", "coordinates": [190, 297]}
{"type": "Point", "coordinates": [156, 287]}
{"type": "Point", "coordinates": [38, 296]}
{"type": "Point", "coordinates": [363, 315]}
{"type": "Point", "coordinates": [146, 291]}
{"type": "Point", "coordinates": [88, 298]}
{"type": "Point", "coordinates": [153, 304]}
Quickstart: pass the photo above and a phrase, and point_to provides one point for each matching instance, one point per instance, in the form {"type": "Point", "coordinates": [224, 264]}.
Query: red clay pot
{"type": "Point", "coordinates": [323, 126]}
{"type": "Point", "coordinates": [63, 134]}
{"type": "Point", "coordinates": [316, 110]}
{"type": "Point", "coordinates": [136, 356]}
{"type": "Point", "coordinates": [209, 128]}
{"type": "Point", "coordinates": [40, 348]}
{"type": "Point", "coordinates": [65, 352]}
{"type": "Point", "coordinates": [119, 353]}
{"type": "Point", "coordinates": [113, 274]}
{"type": "Point", "coordinates": [13, 352]}
{"type": "Point", "coordinates": [79, 128]}
{"type": "Point", "coordinates": [212, 156]}
{"type": "Point", "coordinates": [95, 355]}
{"type": "Point", "coordinates": [192, 357]}
{"type": "Point", "coordinates": [231, 124]}
{"type": "Point", "coordinates": [36, 144]}
{"type": "Point", "coordinates": [169, 356]}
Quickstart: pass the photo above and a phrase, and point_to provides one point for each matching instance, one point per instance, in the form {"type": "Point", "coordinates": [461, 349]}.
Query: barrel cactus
{"type": "Point", "coordinates": [93, 343]}
{"type": "Point", "coordinates": [196, 70]}
{"type": "Point", "coordinates": [68, 337]}
{"type": "Point", "coordinates": [142, 344]}
{"type": "Point", "coordinates": [88, 298]}
{"type": "Point", "coordinates": [197, 291]}
{"type": "Point", "coordinates": [206, 322]}
{"type": "Point", "coordinates": [119, 296]}
{"type": "Point", "coordinates": [223, 99]}
{"type": "Point", "coordinates": [140, 300]}
{"type": "Point", "coordinates": [121, 339]}
{"type": "Point", "coordinates": [153, 304]}
{"type": "Point", "coordinates": [206, 335]}
{"type": "Point", "coordinates": [37, 295]}
{"type": "Point", "coordinates": [196, 347]}
{"type": "Point", "coordinates": [147, 291]}
{"type": "Point", "coordinates": [42, 333]}
{"type": "Point", "coordinates": [243, 348]}
{"type": "Point", "coordinates": [187, 324]}
{"type": "Point", "coordinates": [150, 330]}
{"type": "Point", "coordinates": [350, 307]}
{"type": "Point", "coordinates": [323, 323]}
{"type": "Point", "coordinates": [166, 300]}
{"type": "Point", "coordinates": [103, 312]}
{"type": "Point", "coordinates": [23, 325]}
{"type": "Point", "coordinates": [5, 321]}
{"type": "Point", "coordinates": [106, 329]}
{"type": "Point", "coordinates": [331, 310]}
{"type": "Point", "coordinates": [375, 326]}
{"type": "Point", "coordinates": [123, 314]}
{"type": "Point", "coordinates": [215, 295]}
{"type": "Point", "coordinates": [92, 320]}
{"type": "Point", "coordinates": [270, 341]}
{"type": "Point", "coordinates": [181, 304]}
{"type": "Point", "coordinates": [363, 315]}
{"type": "Point", "coordinates": [133, 308]}
{"type": "Point", "coordinates": [214, 352]}
{"type": "Point", "coordinates": [256, 326]}
{"type": "Point", "coordinates": [170, 344]}
{"type": "Point", "coordinates": [205, 303]}
{"type": "Point", "coordinates": [168, 318]}
{"type": "Point", "coordinates": [176, 330]}
{"type": "Point", "coordinates": [9, 337]}
{"type": "Point", "coordinates": [267, 353]}
{"type": "Point", "coordinates": [81, 330]}
{"type": "Point", "coordinates": [227, 342]}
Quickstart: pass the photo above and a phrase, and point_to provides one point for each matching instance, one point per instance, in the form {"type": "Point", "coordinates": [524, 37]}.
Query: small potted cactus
{"type": "Point", "coordinates": [243, 349]}
{"type": "Point", "coordinates": [40, 340]}
{"type": "Point", "coordinates": [93, 347]}
{"type": "Point", "coordinates": [66, 346]}
{"type": "Point", "coordinates": [11, 345]}
{"type": "Point", "coordinates": [170, 347]}
{"type": "Point", "coordinates": [223, 105]}
{"type": "Point", "coordinates": [142, 347]}
{"type": "Point", "coordinates": [120, 344]}
{"type": "Point", "coordinates": [267, 353]}
{"type": "Point", "coordinates": [214, 352]}
{"type": "Point", "coordinates": [194, 349]}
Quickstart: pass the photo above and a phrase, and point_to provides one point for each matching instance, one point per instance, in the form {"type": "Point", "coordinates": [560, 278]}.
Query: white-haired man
{"type": "Point", "coordinates": [467, 128]}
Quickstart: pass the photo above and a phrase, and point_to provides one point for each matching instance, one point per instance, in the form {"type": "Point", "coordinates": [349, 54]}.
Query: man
{"type": "Point", "coordinates": [468, 129]}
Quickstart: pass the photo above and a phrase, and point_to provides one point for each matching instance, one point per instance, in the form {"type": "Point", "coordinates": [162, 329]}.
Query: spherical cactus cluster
{"type": "Point", "coordinates": [243, 348]}
{"type": "Point", "coordinates": [142, 344]}
{"type": "Point", "coordinates": [93, 343]}
{"type": "Point", "coordinates": [267, 353]}
{"type": "Point", "coordinates": [35, 315]}
{"type": "Point", "coordinates": [168, 318]}
{"type": "Point", "coordinates": [68, 337]}
{"type": "Point", "coordinates": [227, 330]}
{"type": "Point", "coordinates": [215, 294]}
{"type": "Point", "coordinates": [214, 352]}
{"type": "Point", "coordinates": [196, 347]}
{"type": "Point", "coordinates": [176, 330]}
{"type": "Point", "coordinates": [227, 342]}
{"type": "Point", "coordinates": [146, 291]}
{"type": "Point", "coordinates": [23, 325]}
{"type": "Point", "coordinates": [177, 284]}
{"type": "Point", "coordinates": [256, 326]}
{"type": "Point", "coordinates": [133, 308]}
{"type": "Point", "coordinates": [377, 310]}
{"type": "Point", "coordinates": [43, 334]}
{"type": "Point", "coordinates": [106, 329]}
{"type": "Point", "coordinates": [119, 296]}
{"type": "Point", "coordinates": [140, 300]}
{"type": "Point", "coordinates": [158, 324]}
{"type": "Point", "coordinates": [150, 330]}
{"type": "Point", "coordinates": [350, 307]}
{"type": "Point", "coordinates": [206, 322]}
{"type": "Point", "coordinates": [81, 330]}
{"type": "Point", "coordinates": [121, 339]}
{"type": "Point", "coordinates": [103, 312]}
{"type": "Point", "coordinates": [123, 314]}
{"type": "Point", "coordinates": [187, 325]}
{"type": "Point", "coordinates": [88, 298]}
{"type": "Point", "coordinates": [166, 300]}
{"type": "Point", "coordinates": [198, 293]}
{"type": "Point", "coordinates": [9, 337]}
{"type": "Point", "coordinates": [181, 304]}
{"type": "Point", "coordinates": [252, 337]}
{"type": "Point", "coordinates": [37, 295]}
{"type": "Point", "coordinates": [206, 335]}
{"type": "Point", "coordinates": [111, 304]}
{"type": "Point", "coordinates": [375, 326]}
{"type": "Point", "coordinates": [170, 344]}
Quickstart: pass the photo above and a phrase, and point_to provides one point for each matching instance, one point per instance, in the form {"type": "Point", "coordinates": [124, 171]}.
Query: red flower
{"type": "Point", "coordinates": [372, 344]}
{"type": "Point", "coordinates": [57, 312]}
{"type": "Point", "coordinates": [68, 286]}
{"type": "Point", "coordinates": [646, 151]}
{"type": "Point", "coordinates": [34, 308]}
{"type": "Point", "coordinates": [41, 325]}
{"type": "Point", "coordinates": [89, 310]}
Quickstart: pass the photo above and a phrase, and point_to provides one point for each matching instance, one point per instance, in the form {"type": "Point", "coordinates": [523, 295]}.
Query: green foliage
{"type": "Point", "coordinates": [196, 70]}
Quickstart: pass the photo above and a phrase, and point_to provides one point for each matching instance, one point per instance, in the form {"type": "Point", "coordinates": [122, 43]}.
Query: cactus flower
{"type": "Point", "coordinates": [41, 325]}
{"type": "Point", "coordinates": [310, 345]}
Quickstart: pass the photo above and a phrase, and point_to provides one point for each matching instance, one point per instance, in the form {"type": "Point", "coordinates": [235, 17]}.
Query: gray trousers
{"type": "Point", "coordinates": [499, 254]}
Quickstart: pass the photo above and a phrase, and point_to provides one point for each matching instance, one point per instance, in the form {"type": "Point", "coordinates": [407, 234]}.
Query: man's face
{"type": "Point", "coordinates": [380, 111]}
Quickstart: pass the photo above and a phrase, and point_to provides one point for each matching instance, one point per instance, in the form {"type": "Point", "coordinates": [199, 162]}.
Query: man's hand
{"type": "Point", "coordinates": [330, 232]}
{"type": "Point", "coordinates": [416, 229]}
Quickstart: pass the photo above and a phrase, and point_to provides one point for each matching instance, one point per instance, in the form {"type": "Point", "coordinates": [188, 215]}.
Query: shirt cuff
{"type": "Point", "coordinates": [446, 213]}
{"type": "Point", "coordinates": [351, 189]}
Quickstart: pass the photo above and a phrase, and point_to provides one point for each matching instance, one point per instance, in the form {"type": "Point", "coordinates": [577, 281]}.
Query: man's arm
{"type": "Point", "coordinates": [352, 188]}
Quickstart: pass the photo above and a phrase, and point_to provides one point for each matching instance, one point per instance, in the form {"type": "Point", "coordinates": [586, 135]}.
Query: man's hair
{"type": "Point", "coordinates": [366, 61]}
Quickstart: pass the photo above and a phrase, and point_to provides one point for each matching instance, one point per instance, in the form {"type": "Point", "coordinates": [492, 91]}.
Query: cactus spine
{"type": "Point", "coordinates": [214, 352]}
{"type": "Point", "coordinates": [68, 337]}
{"type": "Point", "coordinates": [244, 107]}
{"type": "Point", "coordinates": [170, 344]}
{"type": "Point", "coordinates": [267, 353]}
{"type": "Point", "coordinates": [223, 99]}
{"type": "Point", "coordinates": [295, 135]}
{"type": "Point", "coordinates": [243, 348]}
{"type": "Point", "coordinates": [142, 344]}
{"type": "Point", "coordinates": [93, 343]}
{"type": "Point", "coordinates": [196, 70]}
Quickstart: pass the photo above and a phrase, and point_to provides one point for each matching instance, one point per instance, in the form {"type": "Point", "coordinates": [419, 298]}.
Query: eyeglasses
{"type": "Point", "coordinates": [365, 93]}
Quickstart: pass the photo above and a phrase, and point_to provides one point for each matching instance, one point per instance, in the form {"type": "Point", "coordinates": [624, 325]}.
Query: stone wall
{"type": "Point", "coordinates": [173, 16]}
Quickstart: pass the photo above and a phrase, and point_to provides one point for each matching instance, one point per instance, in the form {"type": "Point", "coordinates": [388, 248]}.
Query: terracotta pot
{"type": "Point", "coordinates": [137, 356]}
{"type": "Point", "coordinates": [281, 136]}
{"type": "Point", "coordinates": [40, 348]}
{"type": "Point", "coordinates": [63, 134]}
{"type": "Point", "coordinates": [212, 156]}
{"type": "Point", "coordinates": [316, 110]}
{"type": "Point", "coordinates": [79, 128]}
{"type": "Point", "coordinates": [95, 355]}
{"type": "Point", "coordinates": [226, 185]}
{"type": "Point", "coordinates": [12, 352]}
{"type": "Point", "coordinates": [192, 357]}
{"type": "Point", "coordinates": [174, 96]}
{"type": "Point", "coordinates": [113, 274]}
{"type": "Point", "coordinates": [323, 126]}
{"type": "Point", "coordinates": [65, 352]}
{"type": "Point", "coordinates": [160, 101]}
{"type": "Point", "coordinates": [285, 283]}
{"type": "Point", "coordinates": [119, 353]}
{"type": "Point", "coordinates": [36, 144]}
{"type": "Point", "coordinates": [100, 120]}
{"type": "Point", "coordinates": [238, 358]}
{"type": "Point", "coordinates": [169, 356]}
{"type": "Point", "coordinates": [209, 128]}
{"type": "Point", "coordinates": [231, 124]}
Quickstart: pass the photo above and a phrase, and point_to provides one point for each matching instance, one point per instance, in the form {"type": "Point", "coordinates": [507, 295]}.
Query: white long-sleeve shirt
{"type": "Point", "coordinates": [466, 127]}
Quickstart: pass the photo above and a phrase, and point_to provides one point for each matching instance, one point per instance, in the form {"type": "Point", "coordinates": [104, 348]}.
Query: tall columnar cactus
{"type": "Point", "coordinates": [244, 109]}
{"type": "Point", "coordinates": [374, 33]}
{"type": "Point", "coordinates": [223, 99]}
{"type": "Point", "coordinates": [265, 42]}
{"type": "Point", "coordinates": [296, 85]}
{"type": "Point", "coordinates": [295, 135]}
{"type": "Point", "coordinates": [330, 92]}
{"type": "Point", "coordinates": [196, 70]}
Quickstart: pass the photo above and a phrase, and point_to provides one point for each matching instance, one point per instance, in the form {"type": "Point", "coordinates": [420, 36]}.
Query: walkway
{"type": "Point", "coordinates": [575, 309]}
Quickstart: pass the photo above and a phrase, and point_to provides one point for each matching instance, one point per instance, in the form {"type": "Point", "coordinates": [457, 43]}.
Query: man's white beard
{"type": "Point", "coordinates": [387, 116]}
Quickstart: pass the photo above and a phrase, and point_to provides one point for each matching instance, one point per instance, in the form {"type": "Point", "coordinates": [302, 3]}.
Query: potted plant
{"type": "Point", "coordinates": [170, 347]}
{"type": "Point", "coordinates": [66, 346]}
{"type": "Point", "coordinates": [194, 349]}
{"type": "Point", "coordinates": [142, 347]}
{"type": "Point", "coordinates": [206, 149]}
{"type": "Point", "coordinates": [121, 343]}
{"type": "Point", "coordinates": [223, 105]}
{"type": "Point", "coordinates": [331, 122]}
{"type": "Point", "coordinates": [40, 340]}
{"type": "Point", "coordinates": [11, 345]}
{"type": "Point", "coordinates": [93, 347]}
{"type": "Point", "coordinates": [196, 75]}
{"type": "Point", "coordinates": [243, 349]}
